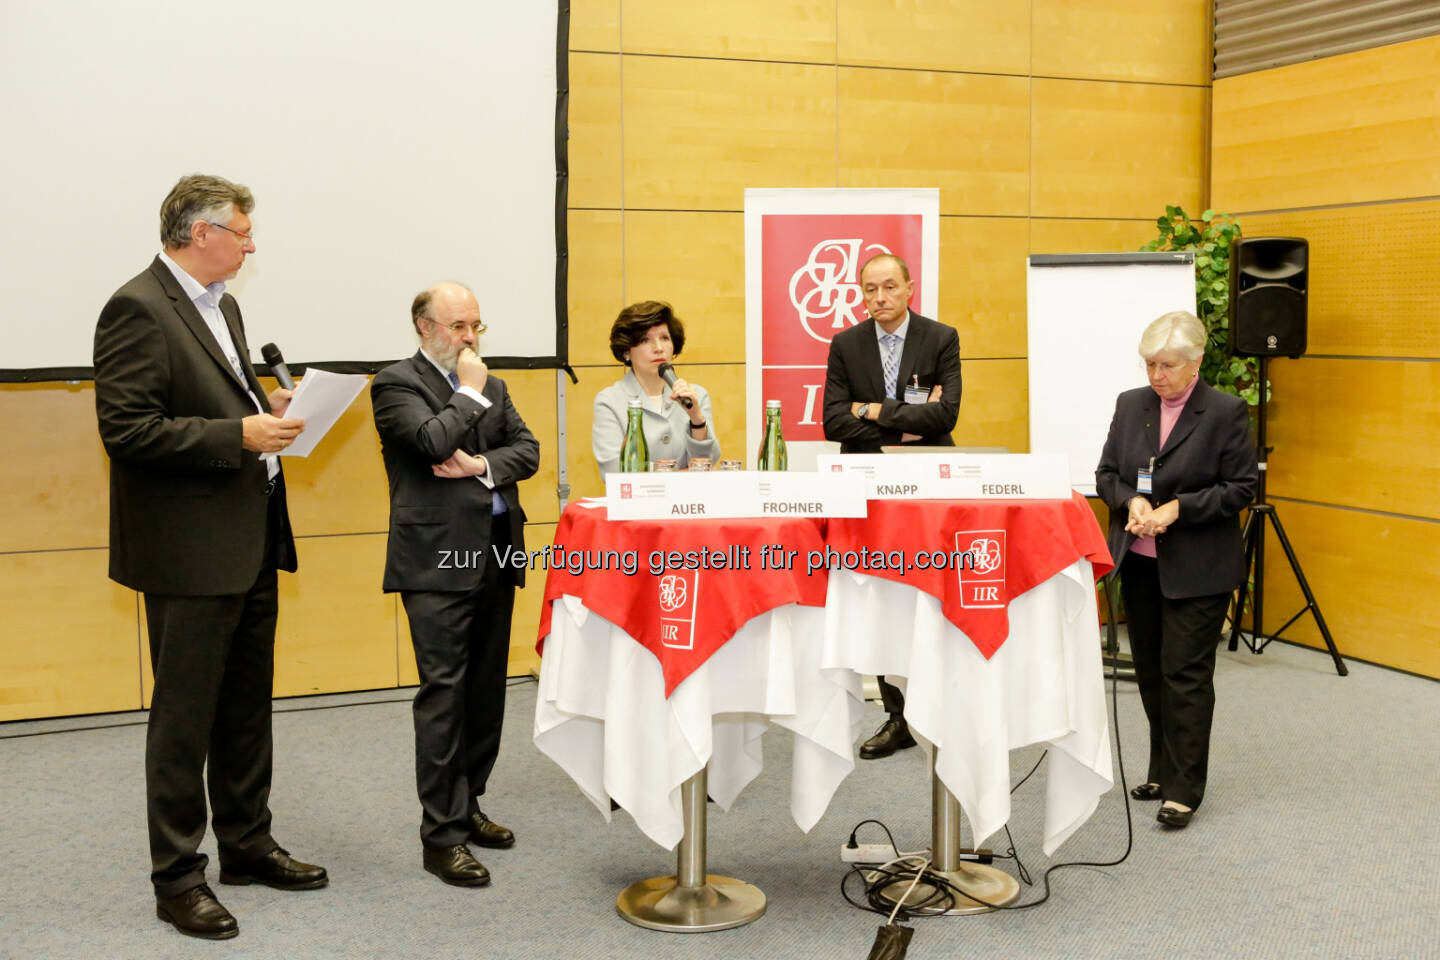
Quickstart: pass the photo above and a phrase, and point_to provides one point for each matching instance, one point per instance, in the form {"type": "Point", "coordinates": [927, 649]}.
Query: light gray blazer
{"type": "Point", "coordinates": [667, 433]}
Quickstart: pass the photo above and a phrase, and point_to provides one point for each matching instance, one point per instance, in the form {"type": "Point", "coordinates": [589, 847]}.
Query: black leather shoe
{"type": "Point", "coordinates": [276, 869]}
{"type": "Point", "coordinates": [894, 734]}
{"type": "Point", "coordinates": [196, 913]}
{"type": "Point", "coordinates": [456, 866]}
{"type": "Point", "coordinates": [1172, 817]}
{"type": "Point", "coordinates": [485, 832]}
{"type": "Point", "coordinates": [1146, 791]}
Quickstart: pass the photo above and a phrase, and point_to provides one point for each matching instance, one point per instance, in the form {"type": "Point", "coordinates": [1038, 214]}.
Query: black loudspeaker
{"type": "Point", "coordinates": [1268, 281]}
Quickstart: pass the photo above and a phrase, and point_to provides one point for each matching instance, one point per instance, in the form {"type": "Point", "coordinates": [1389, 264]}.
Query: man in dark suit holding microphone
{"type": "Point", "coordinates": [198, 523]}
{"type": "Point", "coordinates": [454, 448]}
{"type": "Point", "coordinates": [893, 378]}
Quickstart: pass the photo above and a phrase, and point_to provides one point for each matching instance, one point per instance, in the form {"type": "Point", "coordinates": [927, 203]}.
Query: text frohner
{"type": "Point", "coordinates": [792, 506]}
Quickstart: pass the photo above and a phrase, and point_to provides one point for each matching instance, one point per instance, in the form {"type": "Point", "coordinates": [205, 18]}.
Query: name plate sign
{"type": "Point", "coordinates": [731, 494]}
{"type": "Point", "coordinates": [955, 476]}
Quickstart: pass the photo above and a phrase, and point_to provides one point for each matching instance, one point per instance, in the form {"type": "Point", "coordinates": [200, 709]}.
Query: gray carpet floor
{"type": "Point", "coordinates": [1317, 839]}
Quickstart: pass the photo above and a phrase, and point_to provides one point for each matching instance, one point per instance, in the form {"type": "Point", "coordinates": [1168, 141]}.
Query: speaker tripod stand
{"type": "Point", "coordinates": [1262, 513]}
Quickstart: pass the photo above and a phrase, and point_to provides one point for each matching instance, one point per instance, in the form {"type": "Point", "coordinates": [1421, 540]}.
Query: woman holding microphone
{"type": "Point", "coordinates": [646, 337]}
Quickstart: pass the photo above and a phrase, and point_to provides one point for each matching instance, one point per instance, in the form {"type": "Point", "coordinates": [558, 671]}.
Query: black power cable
{"type": "Point", "coordinates": [946, 895]}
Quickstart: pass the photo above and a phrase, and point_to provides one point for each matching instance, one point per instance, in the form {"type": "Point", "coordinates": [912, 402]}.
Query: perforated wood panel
{"type": "Point", "coordinates": [966, 134]}
{"type": "Point", "coordinates": [1362, 126]}
{"type": "Point", "coordinates": [1374, 276]}
{"type": "Point", "coordinates": [1362, 433]}
{"type": "Point", "coordinates": [597, 283]}
{"type": "Point", "coordinates": [994, 405]}
{"type": "Point", "coordinates": [1377, 580]}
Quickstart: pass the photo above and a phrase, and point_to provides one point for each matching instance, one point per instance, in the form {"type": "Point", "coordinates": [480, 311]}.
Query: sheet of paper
{"type": "Point", "coordinates": [320, 398]}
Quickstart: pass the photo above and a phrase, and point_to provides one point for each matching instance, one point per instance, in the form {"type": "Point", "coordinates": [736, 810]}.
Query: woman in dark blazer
{"type": "Point", "coordinates": [1177, 469]}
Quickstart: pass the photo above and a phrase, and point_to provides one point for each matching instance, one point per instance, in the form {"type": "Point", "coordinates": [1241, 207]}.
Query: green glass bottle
{"type": "Point", "coordinates": [635, 452]}
{"type": "Point", "coordinates": [772, 446]}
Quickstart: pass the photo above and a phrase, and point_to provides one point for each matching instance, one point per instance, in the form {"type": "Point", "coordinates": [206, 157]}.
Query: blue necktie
{"type": "Point", "coordinates": [890, 360]}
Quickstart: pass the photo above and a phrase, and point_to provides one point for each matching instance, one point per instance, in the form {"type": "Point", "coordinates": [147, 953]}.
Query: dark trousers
{"type": "Point", "coordinates": [214, 665]}
{"type": "Point", "coordinates": [462, 646]}
{"type": "Point", "coordinates": [1173, 646]}
{"type": "Point", "coordinates": [892, 699]}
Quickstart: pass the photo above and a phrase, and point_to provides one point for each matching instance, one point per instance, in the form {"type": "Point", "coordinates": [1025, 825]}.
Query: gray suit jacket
{"type": "Point", "coordinates": [667, 433]}
{"type": "Point", "coordinates": [188, 505]}
{"type": "Point", "coordinates": [440, 528]}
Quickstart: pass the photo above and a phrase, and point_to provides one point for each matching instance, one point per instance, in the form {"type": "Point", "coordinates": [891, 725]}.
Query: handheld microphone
{"type": "Point", "coordinates": [271, 353]}
{"type": "Point", "coordinates": [667, 373]}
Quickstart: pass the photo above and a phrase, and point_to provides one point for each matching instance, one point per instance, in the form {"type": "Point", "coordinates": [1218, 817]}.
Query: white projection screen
{"type": "Point", "coordinates": [388, 146]}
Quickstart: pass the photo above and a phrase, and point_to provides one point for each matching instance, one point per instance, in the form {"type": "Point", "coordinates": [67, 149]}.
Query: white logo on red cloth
{"type": "Point", "coordinates": [982, 580]}
{"type": "Point", "coordinates": [672, 593]}
{"type": "Point", "coordinates": [678, 597]}
{"type": "Point", "coordinates": [825, 288]}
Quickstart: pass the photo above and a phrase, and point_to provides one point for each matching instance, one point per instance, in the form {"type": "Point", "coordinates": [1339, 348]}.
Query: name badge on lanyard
{"type": "Point", "coordinates": [1144, 477]}
{"type": "Point", "coordinates": [914, 393]}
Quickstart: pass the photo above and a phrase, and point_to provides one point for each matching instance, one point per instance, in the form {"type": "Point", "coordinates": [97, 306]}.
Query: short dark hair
{"type": "Point", "coordinates": [634, 323]}
{"type": "Point", "coordinates": [420, 307]}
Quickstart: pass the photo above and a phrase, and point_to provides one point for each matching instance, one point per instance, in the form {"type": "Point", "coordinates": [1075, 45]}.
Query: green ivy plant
{"type": "Point", "coordinates": [1210, 238]}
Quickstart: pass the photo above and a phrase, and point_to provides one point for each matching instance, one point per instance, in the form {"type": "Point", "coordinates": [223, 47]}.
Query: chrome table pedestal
{"type": "Point", "coordinates": [692, 901]}
{"type": "Point", "coordinates": [985, 883]}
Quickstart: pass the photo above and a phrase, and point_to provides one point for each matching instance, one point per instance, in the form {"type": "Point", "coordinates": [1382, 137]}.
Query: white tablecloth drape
{"type": "Point", "coordinates": [1046, 683]}
{"type": "Point", "coordinates": [602, 715]}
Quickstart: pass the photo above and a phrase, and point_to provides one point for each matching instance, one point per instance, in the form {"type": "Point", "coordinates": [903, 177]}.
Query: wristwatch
{"type": "Point", "coordinates": [862, 411]}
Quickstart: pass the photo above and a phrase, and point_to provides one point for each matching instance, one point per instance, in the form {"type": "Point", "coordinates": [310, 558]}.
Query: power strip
{"type": "Point", "coordinates": [868, 853]}
{"type": "Point", "coordinates": [884, 853]}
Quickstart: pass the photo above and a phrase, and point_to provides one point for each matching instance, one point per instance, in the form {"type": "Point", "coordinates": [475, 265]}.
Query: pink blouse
{"type": "Point", "coordinates": [1170, 408]}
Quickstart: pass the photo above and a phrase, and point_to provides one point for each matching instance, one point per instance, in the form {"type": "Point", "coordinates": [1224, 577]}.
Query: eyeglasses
{"type": "Point", "coordinates": [242, 236]}
{"type": "Point", "coordinates": [460, 326]}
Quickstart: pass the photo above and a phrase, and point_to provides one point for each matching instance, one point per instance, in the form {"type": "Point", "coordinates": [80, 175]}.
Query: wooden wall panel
{"type": "Point", "coordinates": [1090, 236]}
{"type": "Point", "coordinates": [597, 282]}
{"type": "Point", "coordinates": [801, 30]}
{"type": "Point", "coordinates": [341, 487]}
{"type": "Point", "coordinates": [594, 24]}
{"type": "Point", "coordinates": [55, 473]}
{"type": "Point", "coordinates": [336, 629]}
{"type": "Point", "coordinates": [698, 132]}
{"type": "Point", "coordinates": [70, 636]}
{"type": "Point", "coordinates": [1116, 149]}
{"type": "Point", "coordinates": [595, 145]}
{"type": "Point", "coordinates": [966, 134]}
{"type": "Point", "coordinates": [995, 405]}
{"type": "Point", "coordinates": [982, 284]}
{"type": "Point", "coordinates": [1374, 286]}
{"type": "Point", "coordinates": [696, 262]}
{"type": "Point", "coordinates": [533, 393]}
{"type": "Point", "coordinates": [1376, 578]}
{"type": "Point", "coordinates": [1347, 129]}
{"type": "Point", "coordinates": [978, 36]}
{"type": "Point", "coordinates": [1156, 41]}
{"type": "Point", "coordinates": [1363, 433]}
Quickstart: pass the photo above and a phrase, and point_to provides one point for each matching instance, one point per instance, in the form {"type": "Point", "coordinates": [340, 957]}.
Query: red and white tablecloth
{"type": "Point", "coordinates": [631, 709]}
{"type": "Point", "coordinates": [995, 657]}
